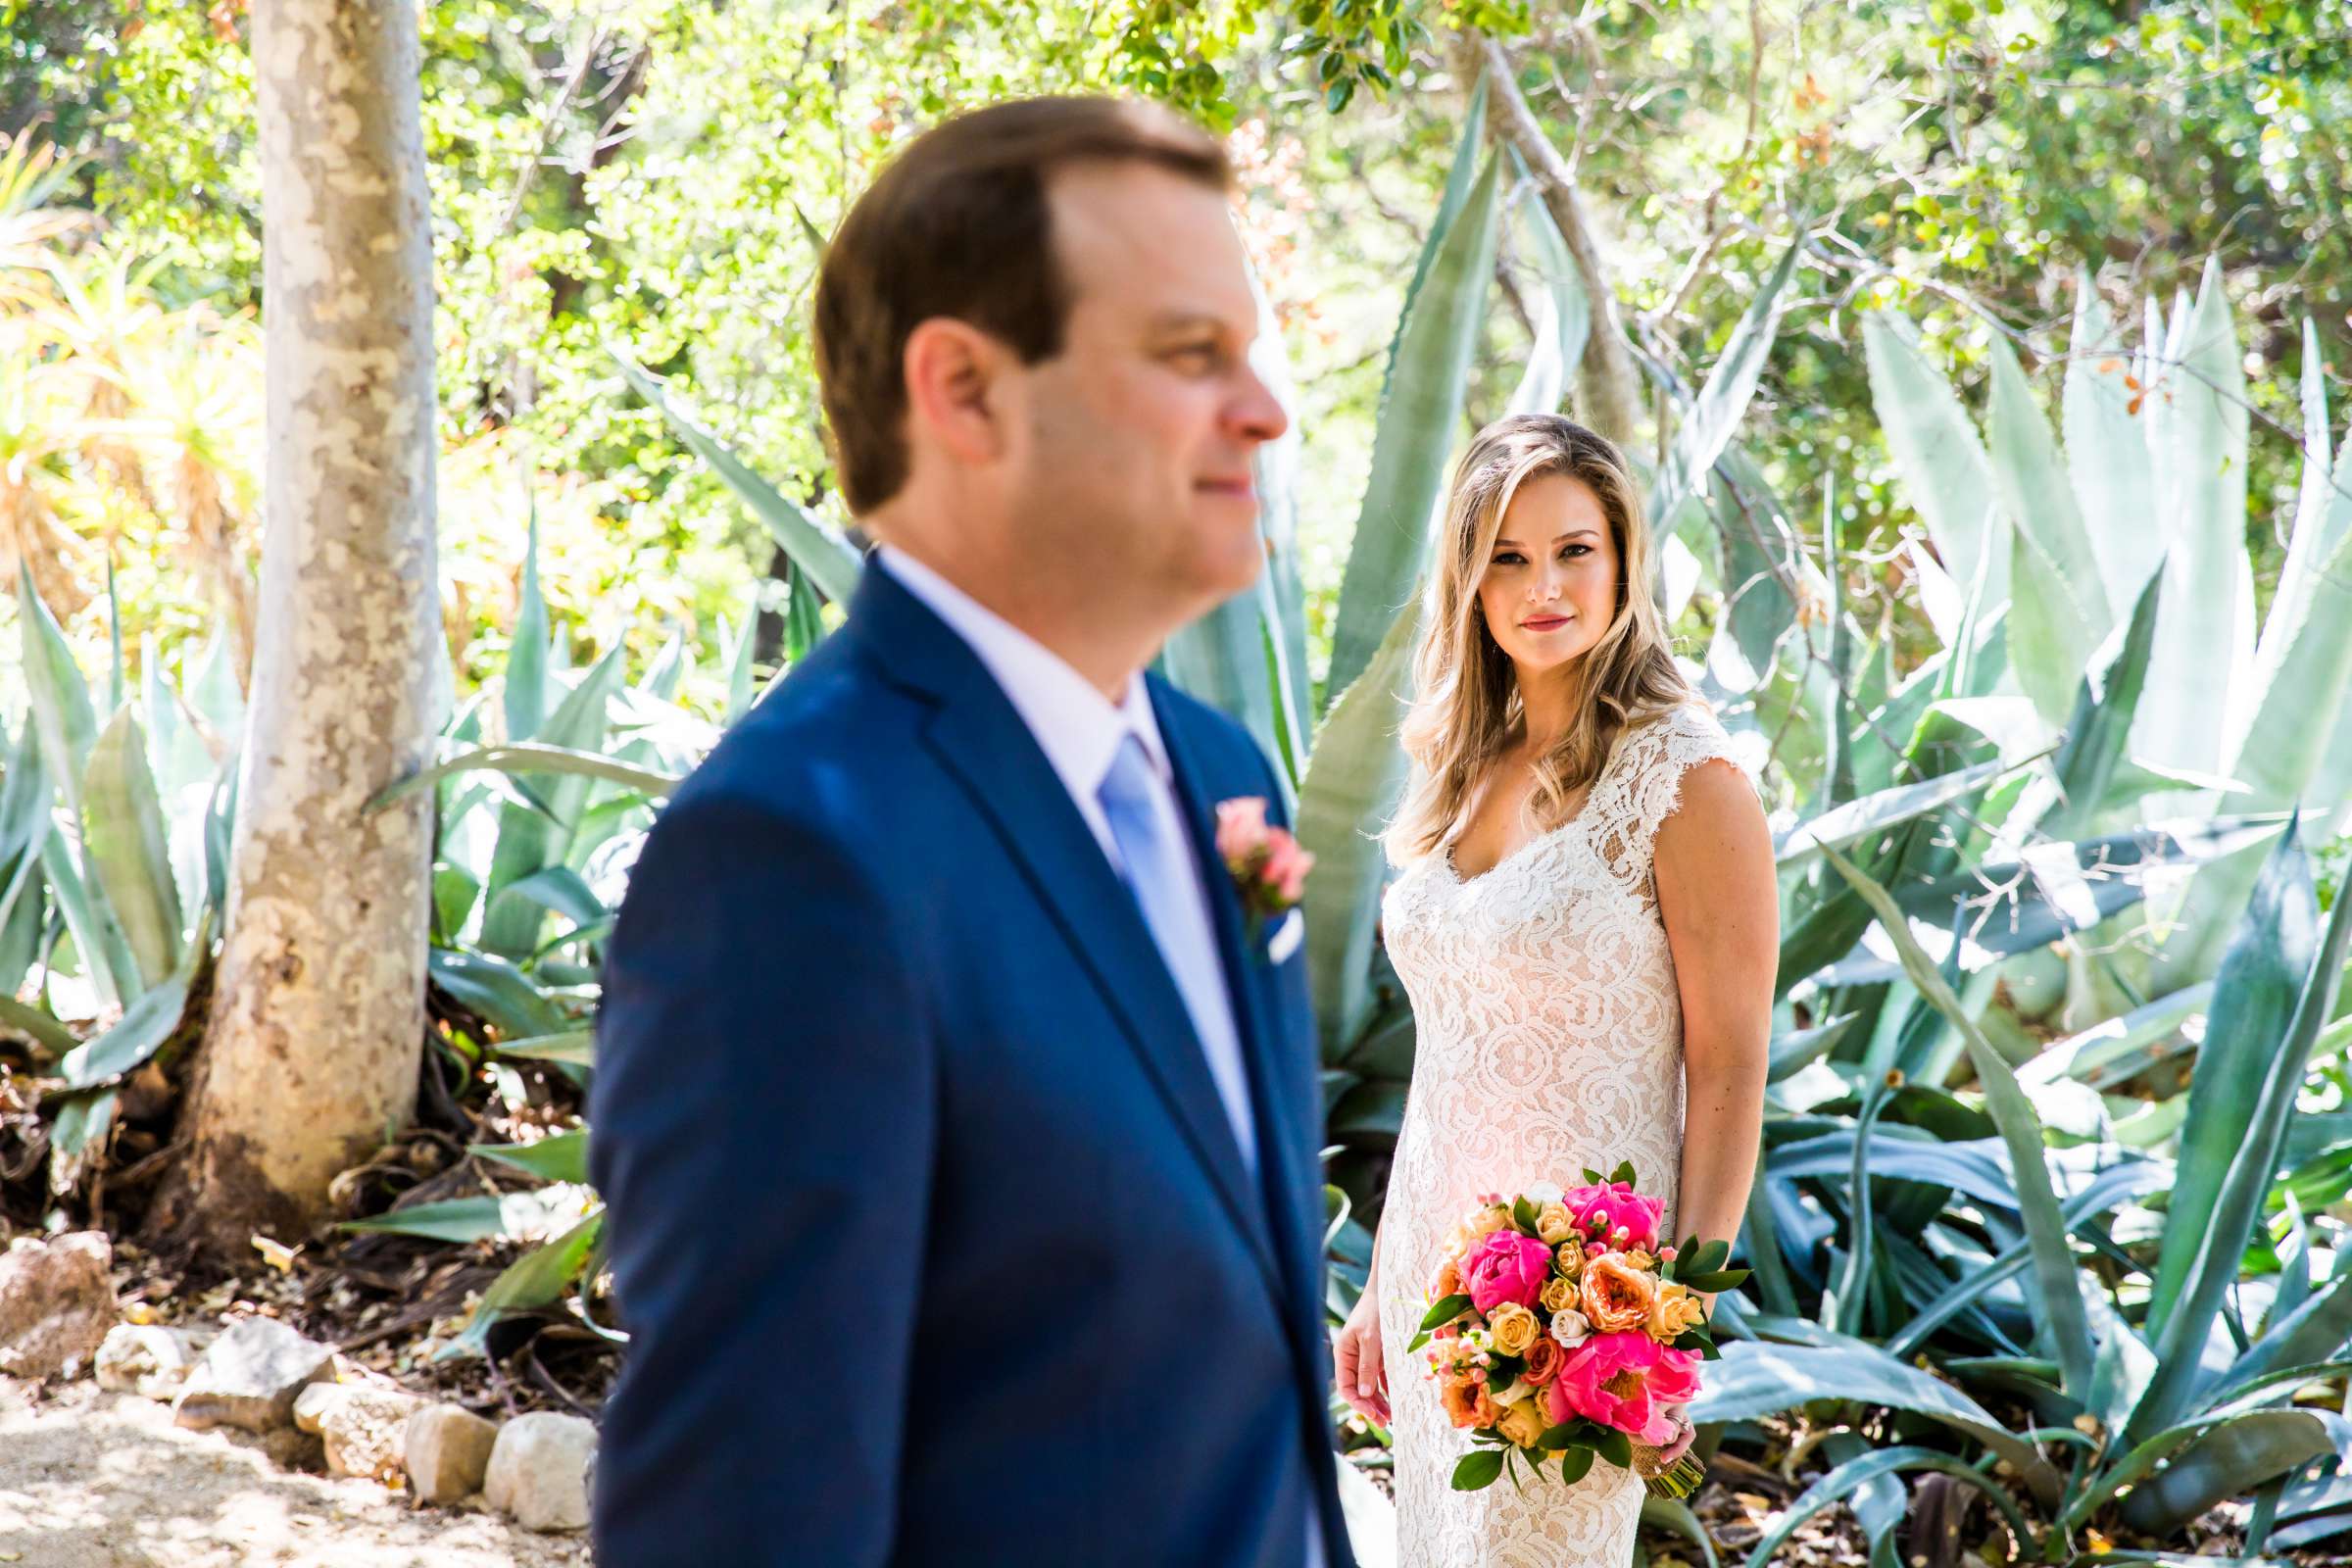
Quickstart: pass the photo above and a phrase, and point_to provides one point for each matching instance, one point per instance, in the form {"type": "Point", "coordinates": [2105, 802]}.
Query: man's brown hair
{"type": "Point", "coordinates": [957, 225]}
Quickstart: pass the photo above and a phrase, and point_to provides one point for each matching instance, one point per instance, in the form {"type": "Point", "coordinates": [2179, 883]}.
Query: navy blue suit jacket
{"type": "Point", "coordinates": [930, 1230]}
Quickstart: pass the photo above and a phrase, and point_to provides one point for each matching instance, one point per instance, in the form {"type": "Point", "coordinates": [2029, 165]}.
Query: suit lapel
{"type": "Point", "coordinates": [1251, 979]}
{"type": "Point", "coordinates": [981, 741]}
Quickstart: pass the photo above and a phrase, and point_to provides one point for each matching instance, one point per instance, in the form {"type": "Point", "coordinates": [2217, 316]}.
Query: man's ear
{"type": "Point", "coordinates": [953, 371]}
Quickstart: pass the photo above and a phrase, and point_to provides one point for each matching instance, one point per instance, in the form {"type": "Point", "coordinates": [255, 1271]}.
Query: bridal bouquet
{"type": "Point", "coordinates": [1560, 1327]}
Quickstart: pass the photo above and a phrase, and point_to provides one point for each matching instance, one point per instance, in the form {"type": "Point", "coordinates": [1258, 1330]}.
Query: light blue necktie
{"type": "Point", "coordinates": [1153, 860]}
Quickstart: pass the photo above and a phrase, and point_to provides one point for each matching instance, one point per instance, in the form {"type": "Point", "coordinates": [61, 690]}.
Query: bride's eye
{"type": "Point", "coordinates": [1509, 558]}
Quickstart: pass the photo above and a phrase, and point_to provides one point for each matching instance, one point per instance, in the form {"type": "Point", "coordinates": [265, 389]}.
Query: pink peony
{"type": "Point", "coordinates": [1505, 1267]}
{"type": "Point", "coordinates": [1611, 1204]}
{"type": "Point", "coordinates": [1625, 1381]}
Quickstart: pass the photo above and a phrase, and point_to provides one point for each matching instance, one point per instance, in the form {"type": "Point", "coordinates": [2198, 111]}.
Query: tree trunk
{"type": "Point", "coordinates": [313, 1043]}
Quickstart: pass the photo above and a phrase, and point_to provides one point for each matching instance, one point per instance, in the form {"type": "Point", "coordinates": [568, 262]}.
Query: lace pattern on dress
{"type": "Point", "coordinates": [1550, 1039]}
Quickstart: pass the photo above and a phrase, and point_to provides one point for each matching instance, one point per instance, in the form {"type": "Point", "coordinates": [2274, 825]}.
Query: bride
{"type": "Point", "coordinates": [1586, 922]}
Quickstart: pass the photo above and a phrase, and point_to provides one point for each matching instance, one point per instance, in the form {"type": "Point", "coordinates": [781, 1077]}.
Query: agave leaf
{"type": "Point", "coordinates": [104, 958]}
{"type": "Point", "coordinates": [1670, 1513]}
{"type": "Point", "coordinates": [2228, 1461]}
{"type": "Point", "coordinates": [528, 841]}
{"type": "Point", "coordinates": [526, 680]}
{"type": "Point", "coordinates": [1850, 1477]}
{"type": "Point", "coordinates": [1352, 779]}
{"type": "Point", "coordinates": [1846, 825]}
{"type": "Point", "coordinates": [1755, 1378]}
{"type": "Point", "coordinates": [559, 1158]}
{"type": "Point", "coordinates": [2279, 1062]}
{"type": "Point", "coordinates": [1947, 476]}
{"type": "Point", "coordinates": [2254, 997]}
{"type": "Point", "coordinates": [61, 698]}
{"type": "Point", "coordinates": [1706, 426]}
{"type": "Point", "coordinates": [575, 1047]}
{"type": "Point", "coordinates": [1418, 418]}
{"type": "Point", "coordinates": [2061, 1297]}
{"type": "Point", "coordinates": [2061, 609]}
{"type": "Point", "coordinates": [532, 757]}
{"type": "Point", "coordinates": [2098, 731]}
{"type": "Point", "coordinates": [2107, 1189]}
{"type": "Point", "coordinates": [2117, 1047]}
{"type": "Point", "coordinates": [512, 1216]}
{"type": "Point", "coordinates": [125, 845]}
{"type": "Point", "coordinates": [2107, 451]}
{"type": "Point", "coordinates": [1563, 315]}
{"type": "Point", "coordinates": [497, 990]}
{"type": "Point", "coordinates": [533, 1281]}
{"type": "Point", "coordinates": [2310, 1331]}
{"type": "Point", "coordinates": [812, 545]}
{"type": "Point", "coordinates": [150, 1021]}
{"type": "Point", "coordinates": [2204, 652]}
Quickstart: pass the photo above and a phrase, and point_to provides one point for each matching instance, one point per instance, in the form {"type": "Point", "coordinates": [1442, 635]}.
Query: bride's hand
{"type": "Point", "coordinates": [1682, 1444]}
{"type": "Point", "coordinates": [1357, 1370]}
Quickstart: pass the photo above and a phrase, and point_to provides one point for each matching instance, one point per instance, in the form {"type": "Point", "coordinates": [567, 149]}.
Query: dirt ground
{"type": "Point", "coordinates": [97, 1479]}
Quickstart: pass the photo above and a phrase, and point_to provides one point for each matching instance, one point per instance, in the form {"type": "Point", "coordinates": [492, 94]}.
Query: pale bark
{"type": "Point", "coordinates": [1608, 383]}
{"type": "Point", "coordinates": [313, 1045]}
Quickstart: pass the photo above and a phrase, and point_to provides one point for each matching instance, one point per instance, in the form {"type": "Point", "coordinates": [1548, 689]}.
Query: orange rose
{"type": "Point", "coordinates": [1450, 1281]}
{"type": "Point", "coordinates": [1617, 1297]}
{"type": "Point", "coordinates": [1467, 1404]}
{"type": "Point", "coordinates": [1544, 1358]}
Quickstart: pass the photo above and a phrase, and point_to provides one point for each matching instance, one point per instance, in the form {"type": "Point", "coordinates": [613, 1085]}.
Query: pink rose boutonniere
{"type": "Point", "coordinates": [1268, 869]}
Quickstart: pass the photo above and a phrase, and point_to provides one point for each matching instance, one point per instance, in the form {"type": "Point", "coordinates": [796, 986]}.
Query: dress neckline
{"type": "Point", "coordinates": [1584, 809]}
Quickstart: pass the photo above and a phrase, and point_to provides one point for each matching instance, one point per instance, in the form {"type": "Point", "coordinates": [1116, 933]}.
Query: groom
{"type": "Point", "coordinates": [960, 1134]}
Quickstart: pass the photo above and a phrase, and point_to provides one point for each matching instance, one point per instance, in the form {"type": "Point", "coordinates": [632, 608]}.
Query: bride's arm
{"type": "Point", "coordinates": [1721, 907]}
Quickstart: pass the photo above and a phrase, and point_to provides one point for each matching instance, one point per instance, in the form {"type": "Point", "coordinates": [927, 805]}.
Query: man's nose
{"type": "Point", "coordinates": [1257, 414]}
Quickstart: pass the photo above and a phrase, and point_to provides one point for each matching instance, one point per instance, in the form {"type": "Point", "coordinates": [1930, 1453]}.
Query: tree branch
{"type": "Point", "coordinates": [1608, 386]}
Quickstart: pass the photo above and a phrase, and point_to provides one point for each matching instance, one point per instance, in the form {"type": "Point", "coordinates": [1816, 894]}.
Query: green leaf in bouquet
{"type": "Point", "coordinates": [1446, 1310]}
{"type": "Point", "coordinates": [1592, 1177]}
{"type": "Point", "coordinates": [1714, 1282]}
{"type": "Point", "coordinates": [1523, 1214]}
{"type": "Point", "coordinates": [1477, 1470]}
{"type": "Point", "coordinates": [1616, 1447]}
{"type": "Point", "coordinates": [1418, 1341]}
{"type": "Point", "coordinates": [1708, 1259]}
{"type": "Point", "coordinates": [1576, 1464]}
{"type": "Point", "coordinates": [1558, 1437]}
{"type": "Point", "coordinates": [1624, 1171]}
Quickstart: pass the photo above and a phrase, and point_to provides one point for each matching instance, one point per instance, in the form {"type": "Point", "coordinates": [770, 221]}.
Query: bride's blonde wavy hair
{"type": "Point", "coordinates": [1466, 710]}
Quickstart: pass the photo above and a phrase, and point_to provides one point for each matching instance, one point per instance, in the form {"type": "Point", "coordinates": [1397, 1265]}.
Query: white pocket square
{"type": "Point", "coordinates": [1285, 937]}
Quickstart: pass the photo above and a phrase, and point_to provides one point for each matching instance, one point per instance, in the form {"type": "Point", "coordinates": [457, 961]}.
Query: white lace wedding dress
{"type": "Point", "coordinates": [1549, 1040]}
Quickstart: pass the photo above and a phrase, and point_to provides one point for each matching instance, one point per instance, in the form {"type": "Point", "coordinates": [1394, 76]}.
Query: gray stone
{"type": "Point", "coordinates": [361, 1423]}
{"type": "Point", "coordinates": [56, 1300]}
{"type": "Point", "coordinates": [447, 1450]}
{"type": "Point", "coordinates": [251, 1376]}
{"type": "Point", "coordinates": [539, 1470]}
{"type": "Point", "coordinates": [146, 1359]}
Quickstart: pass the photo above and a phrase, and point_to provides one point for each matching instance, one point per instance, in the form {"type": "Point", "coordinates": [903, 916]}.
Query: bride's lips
{"type": "Point", "coordinates": [1240, 488]}
{"type": "Point", "coordinates": [1544, 622]}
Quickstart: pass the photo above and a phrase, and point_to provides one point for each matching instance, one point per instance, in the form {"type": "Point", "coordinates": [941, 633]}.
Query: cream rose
{"type": "Point", "coordinates": [1514, 1328]}
{"type": "Point", "coordinates": [1522, 1423]}
{"type": "Point", "coordinates": [1487, 1220]}
{"type": "Point", "coordinates": [1559, 1295]}
{"type": "Point", "coordinates": [1555, 1223]}
{"type": "Point", "coordinates": [1570, 1329]}
{"type": "Point", "coordinates": [1617, 1297]}
{"type": "Point", "coordinates": [1674, 1314]}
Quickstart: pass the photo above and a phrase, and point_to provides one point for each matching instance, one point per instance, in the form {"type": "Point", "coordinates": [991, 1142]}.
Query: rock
{"type": "Point", "coordinates": [146, 1359]}
{"type": "Point", "coordinates": [57, 1303]}
{"type": "Point", "coordinates": [447, 1450]}
{"type": "Point", "coordinates": [251, 1376]}
{"type": "Point", "coordinates": [362, 1425]}
{"type": "Point", "coordinates": [539, 1470]}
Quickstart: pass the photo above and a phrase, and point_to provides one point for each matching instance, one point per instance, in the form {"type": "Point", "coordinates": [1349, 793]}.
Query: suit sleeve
{"type": "Point", "coordinates": [763, 1113]}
